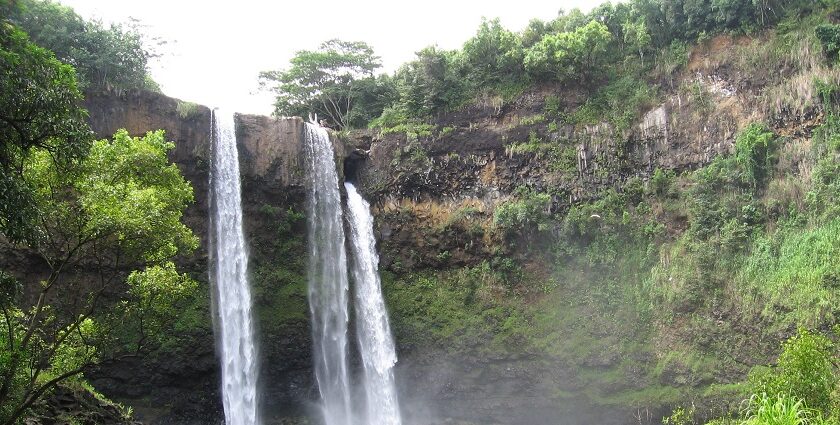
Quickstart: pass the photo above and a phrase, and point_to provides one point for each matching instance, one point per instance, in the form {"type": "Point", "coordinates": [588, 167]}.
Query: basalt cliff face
{"type": "Point", "coordinates": [180, 384]}
{"type": "Point", "coordinates": [433, 194]}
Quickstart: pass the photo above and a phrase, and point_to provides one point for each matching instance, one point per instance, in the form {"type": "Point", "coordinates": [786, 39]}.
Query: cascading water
{"type": "Point", "coordinates": [375, 341]}
{"type": "Point", "coordinates": [233, 296]}
{"type": "Point", "coordinates": [328, 282]}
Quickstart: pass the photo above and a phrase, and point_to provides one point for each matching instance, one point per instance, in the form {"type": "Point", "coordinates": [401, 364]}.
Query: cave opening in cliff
{"type": "Point", "coordinates": [352, 164]}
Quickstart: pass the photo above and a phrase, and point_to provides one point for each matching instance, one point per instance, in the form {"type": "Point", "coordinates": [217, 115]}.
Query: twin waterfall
{"type": "Point", "coordinates": [233, 295]}
{"type": "Point", "coordinates": [328, 291]}
{"type": "Point", "coordinates": [328, 296]}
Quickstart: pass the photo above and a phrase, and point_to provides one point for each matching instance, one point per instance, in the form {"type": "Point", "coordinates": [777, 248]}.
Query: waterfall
{"type": "Point", "coordinates": [328, 282]}
{"type": "Point", "coordinates": [233, 296]}
{"type": "Point", "coordinates": [375, 342]}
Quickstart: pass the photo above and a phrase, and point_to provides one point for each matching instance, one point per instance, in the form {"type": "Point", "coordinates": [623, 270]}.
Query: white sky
{"type": "Point", "coordinates": [216, 48]}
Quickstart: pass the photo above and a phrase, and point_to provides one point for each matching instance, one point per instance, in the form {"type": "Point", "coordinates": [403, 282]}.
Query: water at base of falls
{"type": "Point", "coordinates": [233, 295]}
{"type": "Point", "coordinates": [328, 281]}
{"type": "Point", "coordinates": [376, 344]}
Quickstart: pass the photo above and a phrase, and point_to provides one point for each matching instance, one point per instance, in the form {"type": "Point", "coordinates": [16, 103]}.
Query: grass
{"type": "Point", "coordinates": [781, 410]}
{"type": "Point", "coordinates": [796, 273]}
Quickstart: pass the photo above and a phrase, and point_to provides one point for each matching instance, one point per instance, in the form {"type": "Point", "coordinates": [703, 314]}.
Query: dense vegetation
{"type": "Point", "coordinates": [113, 57]}
{"type": "Point", "coordinates": [704, 270]}
{"type": "Point", "coordinates": [100, 217]}
{"type": "Point", "coordinates": [681, 280]}
{"type": "Point", "coordinates": [610, 52]}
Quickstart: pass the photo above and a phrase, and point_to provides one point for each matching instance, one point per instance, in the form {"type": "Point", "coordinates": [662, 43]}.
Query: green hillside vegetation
{"type": "Point", "coordinates": [681, 283]}
{"type": "Point", "coordinates": [712, 293]}
{"type": "Point", "coordinates": [111, 206]}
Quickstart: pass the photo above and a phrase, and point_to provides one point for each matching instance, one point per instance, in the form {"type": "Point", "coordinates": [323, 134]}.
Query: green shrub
{"type": "Point", "coordinates": [552, 107]}
{"type": "Point", "coordinates": [755, 151]}
{"type": "Point", "coordinates": [829, 36]}
{"type": "Point", "coordinates": [680, 416]}
{"type": "Point", "coordinates": [716, 196]}
{"type": "Point", "coordinates": [391, 117]}
{"type": "Point", "coordinates": [824, 196]}
{"type": "Point", "coordinates": [806, 371]}
{"type": "Point", "coordinates": [531, 209]}
{"type": "Point", "coordinates": [186, 110]}
{"type": "Point", "coordinates": [662, 182]}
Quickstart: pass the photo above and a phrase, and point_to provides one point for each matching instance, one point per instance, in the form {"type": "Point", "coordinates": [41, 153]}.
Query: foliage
{"type": "Point", "coordinates": [755, 151]}
{"type": "Point", "coordinates": [493, 56]}
{"type": "Point", "coordinates": [781, 409]}
{"type": "Point", "coordinates": [661, 182]}
{"type": "Point", "coordinates": [459, 309]}
{"type": "Point", "coordinates": [117, 211]}
{"type": "Point", "coordinates": [112, 57]}
{"type": "Point", "coordinates": [530, 209]}
{"type": "Point", "coordinates": [326, 82]}
{"type": "Point", "coordinates": [38, 111]}
{"type": "Point", "coordinates": [794, 274]}
{"type": "Point", "coordinates": [590, 49]}
{"type": "Point", "coordinates": [807, 371]}
{"type": "Point", "coordinates": [824, 196]}
{"type": "Point", "coordinates": [829, 36]}
{"type": "Point", "coordinates": [574, 55]}
{"type": "Point", "coordinates": [619, 102]}
{"type": "Point", "coordinates": [431, 83]}
{"type": "Point", "coordinates": [717, 196]}
{"type": "Point", "coordinates": [186, 110]}
{"type": "Point", "coordinates": [599, 231]}
{"type": "Point", "coordinates": [680, 416]}
{"type": "Point", "coordinates": [637, 36]}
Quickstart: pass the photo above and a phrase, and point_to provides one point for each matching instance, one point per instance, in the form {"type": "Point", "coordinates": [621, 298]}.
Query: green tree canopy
{"type": "Point", "coordinates": [570, 55]}
{"type": "Point", "coordinates": [323, 81]}
{"type": "Point", "coordinates": [117, 216]}
{"type": "Point", "coordinates": [430, 83]}
{"type": "Point", "coordinates": [112, 56]}
{"type": "Point", "coordinates": [38, 110]}
{"type": "Point", "coordinates": [493, 56]}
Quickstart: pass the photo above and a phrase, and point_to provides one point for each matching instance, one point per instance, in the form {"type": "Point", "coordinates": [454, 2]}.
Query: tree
{"type": "Point", "coordinates": [112, 57]}
{"type": "Point", "coordinates": [636, 36]}
{"type": "Point", "coordinates": [38, 110]}
{"type": "Point", "coordinates": [108, 228]}
{"type": "Point", "coordinates": [323, 81]}
{"type": "Point", "coordinates": [370, 97]}
{"type": "Point", "coordinates": [566, 56]}
{"type": "Point", "coordinates": [493, 56]}
{"type": "Point", "coordinates": [533, 33]}
{"type": "Point", "coordinates": [431, 83]}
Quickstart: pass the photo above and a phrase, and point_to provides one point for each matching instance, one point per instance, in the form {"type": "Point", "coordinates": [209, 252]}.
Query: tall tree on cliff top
{"type": "Point", "coordinates": [323, 81]}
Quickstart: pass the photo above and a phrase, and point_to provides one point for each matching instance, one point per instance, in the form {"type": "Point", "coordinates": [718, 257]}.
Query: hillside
{"type": "Point", "coordinates": [645, 234]}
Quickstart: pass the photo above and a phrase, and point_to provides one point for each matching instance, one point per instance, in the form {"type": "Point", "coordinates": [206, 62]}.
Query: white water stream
{"type": "Point", "coordinates": [328, 282]}
{"type": "Point", "coordinates": [376, 344]}
{"type": "Point", "coordinates": [235, 332]}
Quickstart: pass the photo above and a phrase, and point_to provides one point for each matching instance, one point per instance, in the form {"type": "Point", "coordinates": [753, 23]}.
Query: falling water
{"type": "Point", "coordinates": [375, 342]}
{"type": "Point", "coordinates": [328, 284]}
{"type": "Point", "coordinates": [233, 297]}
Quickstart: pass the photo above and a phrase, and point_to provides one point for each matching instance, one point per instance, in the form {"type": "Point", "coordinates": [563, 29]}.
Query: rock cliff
{"type": "Point", "coordinates": [433, 193]}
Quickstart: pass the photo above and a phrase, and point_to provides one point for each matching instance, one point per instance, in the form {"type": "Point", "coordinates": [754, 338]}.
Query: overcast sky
{"type": "Point", "coordinates": [216, 49]}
